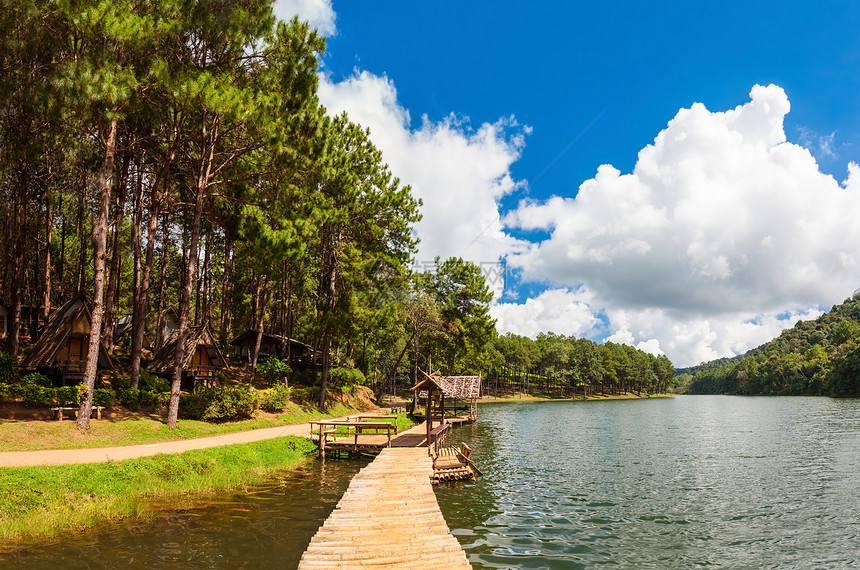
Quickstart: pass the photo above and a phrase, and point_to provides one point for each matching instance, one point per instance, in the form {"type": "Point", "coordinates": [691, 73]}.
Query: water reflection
{"type": "Point", "coordinates": [267, 526]}
{"type": "Point", "coordinates": [670, 483]}
{"type": "Point", "coordinates": [693, 481]}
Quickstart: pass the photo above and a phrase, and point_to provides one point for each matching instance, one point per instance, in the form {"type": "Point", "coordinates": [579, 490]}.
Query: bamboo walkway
{"type": "Point", "coordinates": [388, 517]}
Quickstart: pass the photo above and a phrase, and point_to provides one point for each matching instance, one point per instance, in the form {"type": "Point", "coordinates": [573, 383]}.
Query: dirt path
{"type": "Point", "coordinates": [103, 454]}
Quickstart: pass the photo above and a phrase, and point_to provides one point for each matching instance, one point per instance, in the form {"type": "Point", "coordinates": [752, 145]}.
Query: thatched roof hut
{"type": "Point", "coordinates": [202, 357]}
{"type": "Point", "coordinates": [452, 388]}
{"type": "Point", "coordinates": [62, 347]}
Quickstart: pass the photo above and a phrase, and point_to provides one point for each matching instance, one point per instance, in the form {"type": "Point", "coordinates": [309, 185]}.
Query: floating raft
{"type": "Point", "coordinates": [453, 464]}
{"type": "Point", "coordinates": [387, 518]}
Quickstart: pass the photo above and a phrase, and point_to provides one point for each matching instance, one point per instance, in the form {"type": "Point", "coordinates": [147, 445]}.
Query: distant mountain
{"type": "Point", "coordinates": [820, 357]}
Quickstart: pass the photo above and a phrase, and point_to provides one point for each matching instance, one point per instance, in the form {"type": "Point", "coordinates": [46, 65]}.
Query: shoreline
{"type": "Point", "coordinates": [34, 501]}
{"type": "Point", "coordinates": [591, 398]}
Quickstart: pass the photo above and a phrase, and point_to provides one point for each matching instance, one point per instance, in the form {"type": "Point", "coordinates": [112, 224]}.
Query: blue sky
{"type": "Point", "coordinates": [733, 225]}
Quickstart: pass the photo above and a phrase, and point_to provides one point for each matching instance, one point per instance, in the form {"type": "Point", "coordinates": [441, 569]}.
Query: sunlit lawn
{"type": "Point", "coordinates": [141, 429]}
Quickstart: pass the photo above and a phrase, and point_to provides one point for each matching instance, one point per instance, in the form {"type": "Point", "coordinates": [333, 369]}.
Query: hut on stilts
{"type": "Point", "coordinates": [203, 358]}
{"type": "Point", "coordinates": [462, 393]}
{"type": "Point", "coordinates": [456, 398]}
{"type": "Point", "coordinates": [61, 351]}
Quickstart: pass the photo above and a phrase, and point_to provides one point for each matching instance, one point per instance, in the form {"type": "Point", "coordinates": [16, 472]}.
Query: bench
{"type": "Point", "coordinates": [60, 409]}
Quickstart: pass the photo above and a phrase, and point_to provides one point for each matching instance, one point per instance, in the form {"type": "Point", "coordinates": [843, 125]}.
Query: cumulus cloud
{"type": "Point", "coordinates": [459, 173]}
{"type": "Point", "coordinates": [721, 229]}
{"type": "Point", "coordinates": [318, 13]}
{"type": "Point", "coordinates": [561, 311]}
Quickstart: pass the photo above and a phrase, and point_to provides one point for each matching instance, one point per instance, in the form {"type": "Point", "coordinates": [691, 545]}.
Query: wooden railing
{"type": "Point", "coordinates": [437, 437]}
{"type": "Point", "coordinates": [201, 371]}
{"type": "Point", "coordinates": [340, 432]}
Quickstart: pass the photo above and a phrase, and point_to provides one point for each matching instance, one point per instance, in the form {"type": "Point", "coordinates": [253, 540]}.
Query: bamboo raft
{"type": "Point", "coordinates": [388, 517]}
{"type": "Point", "coordinates": [453, 464]}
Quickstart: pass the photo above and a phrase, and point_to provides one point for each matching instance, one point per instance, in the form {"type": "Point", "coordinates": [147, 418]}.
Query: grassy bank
{"type": "Point", "coordinates": [143, 429]}
{"type": "Point", "coordinates": [41, 502]}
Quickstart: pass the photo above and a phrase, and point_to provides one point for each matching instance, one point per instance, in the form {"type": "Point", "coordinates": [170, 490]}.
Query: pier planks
{"type": "Point", "coordinates": [388, 517]}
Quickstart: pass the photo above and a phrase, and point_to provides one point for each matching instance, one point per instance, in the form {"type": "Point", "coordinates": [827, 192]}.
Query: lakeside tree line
{"type": "Point", "coordinates": [566, 366]}
{"type": "Point", "coordinates": [815, 358]}
{"type": "Point", "coordinates": [174, 154]}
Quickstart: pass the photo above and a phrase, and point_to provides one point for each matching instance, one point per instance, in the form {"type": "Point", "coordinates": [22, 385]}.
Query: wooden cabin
{"type": "Point", "coordinates": [123, 329]}
{"type": "Point", "coordinates": [456, 397]}
{"type": "Point", "coordinates": [202, 360]}
{"type": "Point", "coordinates": [169, 323]}
{"type": "Point", "coordinates": [61, 351]}
{"type": "Point", "coordinates": [271, 345]}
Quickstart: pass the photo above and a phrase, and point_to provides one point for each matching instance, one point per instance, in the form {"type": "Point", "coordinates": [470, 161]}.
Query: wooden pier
{"type": "Point", "coordinates": [388, 517]}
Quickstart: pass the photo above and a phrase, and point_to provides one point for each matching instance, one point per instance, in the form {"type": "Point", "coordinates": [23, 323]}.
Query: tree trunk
{"type": "Point", "coordinates": [162, 287]}
{"type": "Point", "coordinates": [18, 261]}
{"type": "Point", "coordinates": [331, 287]}
{"type": "Point", "coordinates": [185, 307]}
{"type": "Point", "coordinates": [82, 283]}
{"type": "Point", "coordinates": [49, 233]}
{"type": "Point", "coordinates": [203, 177]}
{"type": "Point", "coordinates": [100, 246]}
{"type": "Point", "coordinates": [115, 265]}
{"type": "Point", "coordinates": [142, 292]}
{"type": "Point", "coordinates": [225, 290]}
{"type": "Point", "coordinates": [261, 314]}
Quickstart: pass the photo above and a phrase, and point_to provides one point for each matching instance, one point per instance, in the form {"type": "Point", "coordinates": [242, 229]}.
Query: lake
{"type": "Point", "coordinates": [678, 482]}
{"type": "Point", "coordinates": [690, 481]}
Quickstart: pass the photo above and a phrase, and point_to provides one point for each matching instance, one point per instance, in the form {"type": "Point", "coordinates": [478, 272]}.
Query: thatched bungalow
{"type": "Point", "coordinates": [271, 345]}
{"type": "Point", "coordinates": [61, 351]}
{"type": "Point", "coordinates": [169, 323]}
{"type": "Point", "coordinates": [202, 357]}
{"type": "Point", "coordinates": [123, 328]}
{"type": "Point", "coordinates": [452, 393]}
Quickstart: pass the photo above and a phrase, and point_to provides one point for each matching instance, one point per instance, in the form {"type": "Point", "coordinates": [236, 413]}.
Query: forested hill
{"type": "Point", "coordinates": [820, 357]}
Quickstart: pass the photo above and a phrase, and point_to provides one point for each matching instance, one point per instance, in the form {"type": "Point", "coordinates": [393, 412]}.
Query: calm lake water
{"type": "Point", "coordinates": [666, 483]}
{"type": "Point", "coordinates": [685, 482]}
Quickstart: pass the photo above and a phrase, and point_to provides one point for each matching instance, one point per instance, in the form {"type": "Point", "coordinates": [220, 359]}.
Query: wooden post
{"type": "Point", "coordinates": [442, 409]}
{"type": "Point", "coordinates": [427, 414]}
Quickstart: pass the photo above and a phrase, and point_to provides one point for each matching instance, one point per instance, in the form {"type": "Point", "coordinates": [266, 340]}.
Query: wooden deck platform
{"type": "Point", "coordinates": [416, 436]}
{"type": "Point", "coordinates": [387, 518]}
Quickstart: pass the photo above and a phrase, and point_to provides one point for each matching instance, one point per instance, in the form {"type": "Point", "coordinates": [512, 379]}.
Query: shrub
{"type": "Point", "coordinates": [193, 406]}
{"type": "Point", "coordinates": [231, 404]}
{"type": "Point", "coordinates": [36, 396]}
{"type": "Point", "coordinates": [307, 394]}
{"type": "Point", "coordinates": [121, 383]}
{"type": "Point", "coordinates": [10, 391]}
{"type": "Point", "coordinates": [8, 367]}
{"type": "Point", "coordinates": [152, 382]}
{"type": "Point", "coordinates": [346, 376]}
{"type": "Point", "coordinates": [102, 397]}
{"type": "Point", "coordinates": [274, 399]}
{"type": "Point", "coordinates": [130, 399]}
{"type": "Point", "coordinates": [308, 377]}
{"type": "Point", "coordinates": [37, 379]}
{"type": "Point", "coordinates": [152, 399]}
{"type": "Point", "coordinates": [274, 370]}
{"type": "Point", "coordinates": [67, 396]}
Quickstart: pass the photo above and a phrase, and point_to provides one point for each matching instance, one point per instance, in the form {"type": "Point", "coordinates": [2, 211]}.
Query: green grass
{"type": "Point", "coordinates": [41, 502]}
{"type": "Point", "coordinates": [143, 429]}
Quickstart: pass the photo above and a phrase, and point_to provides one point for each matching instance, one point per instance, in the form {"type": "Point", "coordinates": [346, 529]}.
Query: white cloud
{"type": "Point", "coordinates": [318, 13]}
{"type": "Point", "coordinates": [459, 173]}
{"type": "Point", "coordinates": [555, 310]}
{"type": "Point", "coordinates": [721, 226]}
